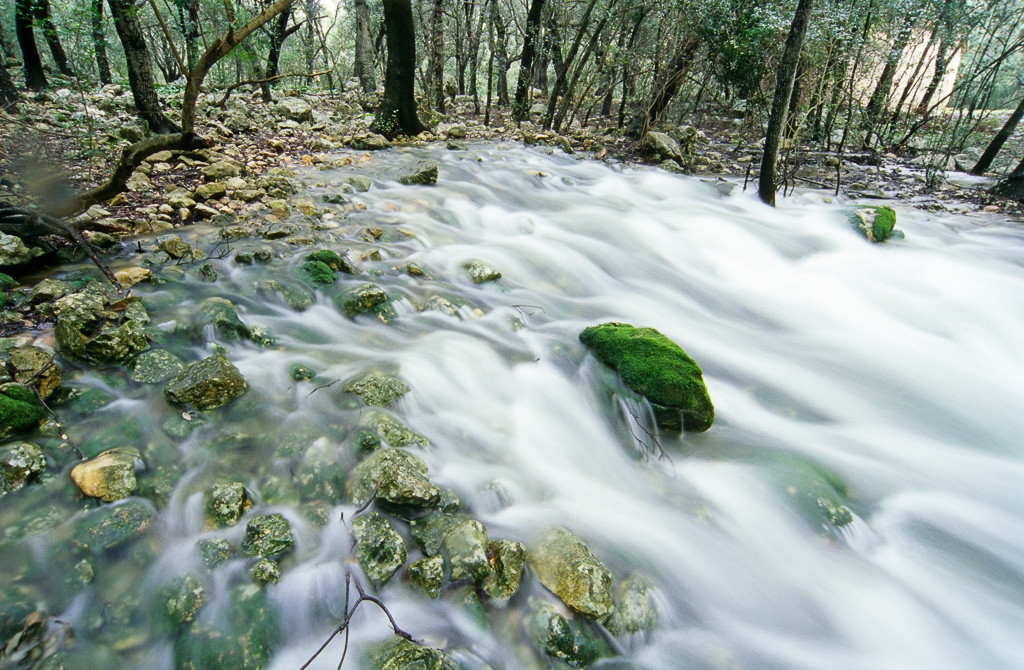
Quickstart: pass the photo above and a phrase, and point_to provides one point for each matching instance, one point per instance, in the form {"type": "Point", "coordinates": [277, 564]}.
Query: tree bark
{"type": "Point", "coordinates": [999, 140]}
{"type": "Point", "coordinates": [35, 78]}
{"type": "Point", "coordinates": [780, 102]}
{"type": "Point", "coordinates": [8, 91]}
{"type": "Point", "coordinates": [99, 42]}
{"type": "Point", "coordinates": [666, 86]}
{"type": "Point", "coordinates": [880, 96]}
{"type": "Point", "coordinates": [363, 65]}
{"type": "Point", "coordinates": [435, 63]}
{"type": "Point", "coordinates": [140, 68]}
{"type": "Point", "coordinates": [500, 53]}
{"type": "Point", "coordinates": [5, 43]}
{"type": "Point", "coordinates": [278, 36]}
{"type": "Point", "coordinates": [397, 111]}
{"type": "Point", "coordinates": [1013, 186]}
{"type": "Point", "coordinates": [521, 105]}
{"type": "Point", "coordinates": [45, 18]}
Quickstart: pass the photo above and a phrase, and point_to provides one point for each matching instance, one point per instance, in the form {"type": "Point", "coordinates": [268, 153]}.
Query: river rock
{"type": "Point", "coordinates": [214, 551]}
{"type": "Point", "coordinates": [565, 565]}
{"type": "Point", "coordinates": [399, 654]}
{"type": "Point", "coordinates": [268, 535]}
{"type": "Point", "coordinates": [226, 503]}
{"type": "Point", "coordinates": [506, 560]}
{"type": "Point", "coordinates": [27, 364]}
{"type": "Point", "coordinates": [20, 409]}
{"type": "Point", "coordinates": [480, 272]}
{"type": "Point", "coordinates": [129, 277]}
{"type": "Point", "coordinates": [91, 327]}
{"type": "Point", "coordinates": [49, 290]}
{"type": "Point", "coordinates": [420, 173]}
{"type": "Point", "coordinates": [19, 464]}
{"type": "Point", "coordinates": [222, 316]}
{"type": "Point", "coordinates": [294, 109]}
{"type": "Point", "coordinates": [183, 598]}
{"type": "Point", "coordinates": [206, 384]}
{"type": "Point", "coordinates": [111, 526]}
{"type": "Point", "coordinates": [265, 571]}
{"type": "Point", "coordinates": [335, 261]}
{"type": "Point", "coordinates": [465, 551]}
{"type": "Point", "coordinates": [402, 478]}
{"type": "Point", "coordinates": [369, 142]}
{"type": "Point", "coordinates": [245, 636]}
{"type": "Point", "coordinates": [174, 246]}
{"type": "Point", "coordinates": [366, 298]}
{"type": "Point", "coordinates": [378, 390]}
{"type": "Point", "coordinates": [658, 369]}
{"type": "Point", "coordinates": [210, 191]}
{"type": "Point", "coordinates": [156, 366]}
{"type": "Point", "coordinates": [428, 574]}
{"type": "Point", "coordinates": [559, 637]}
{"type": "Point", "coordinates": [391, 430]}
{"type": "Point", "coordinates": [635, 611]}
{"type": "Point", "coordinates": [875, 222]}
{"type": "Point", "coordinates": [14, 252]}
{"type": "Point", "coordinates": [221, 171]}
{"type": "Point", "coordinates": [429, 531]}
{"type": "Point", "coordinates": [109, 476]}
{"type": "Point", "coordinates": [316, 273]}
{"type": "Point", "coordinates": [661, 146]}
{"type": "Point", "coordinates": [379, 550]}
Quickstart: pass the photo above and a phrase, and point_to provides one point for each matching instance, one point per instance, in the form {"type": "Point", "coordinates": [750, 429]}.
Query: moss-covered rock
{"type": "Point", "coordinates": [111, 526]}
{"type": "Point", "coordinates": [399, 478]}
{"type": "Point", "coordinates": [265, 571]}
{"type": "Point", "coordinates": [20, 409]}
{"type": "Point", "coordinates": [183, 597]}
{"type": "Point", "coordinates": [480, 272]}
{"type": "Point", "coordinates": [214, 551]}
{"type": "Point", "coordinates": [379, 550]}
{"type": "Point", "coordinates": [221, 315]}
{"type": "Point", "coordinates": [465, 551]}
{"type": "Point", "coordinates": [28, 364]}
{"type": "Point", "coordinates": [398, 654]}
{"type": "Point", "coordinates": [875, 222]}
{"type": "Point", "coordinates": [428, 575]}
{"type": "Point", "coordinates": [565, 565]}
{"type": "Point", "coordinates": [316, 273]}
{"type": "Point", "coordinates": [420, 173]}
{"type": "Point", "coordinates": [92, 327]}
{"type": "Point", "coordinates": [558, 636]}
{"type": "Point", "coordinates": [391, 430]}
{"type": "Point", "coordinates": [226, 502]}
{"type": "Point", "coordinates": [635, 611]}
{"type": "Point", "coordinates": [365, 299]}
{"type": "Point", "coordinates": [19, 464]}
{"type": "Point", "coordinates": [206, 384]}
{"type": "Point", "coordinates": [506, 560]}
{"type": "Point", "coordinates": [155, 366]}
{"type": "Point", "coordinates": [333, 260]}
{"type": "Point", "coordinates": [430, 530]}
{"type": "Point", "coordinates": [656, 368]}
{"type": "Point", "coordinates": [245, 636]}
{"type": "Point", "coordinates": [268, 535]}
{"type": "Point", "coordinates": [110, 475]}
{"type": "Point", "coordinates": [378, 390]}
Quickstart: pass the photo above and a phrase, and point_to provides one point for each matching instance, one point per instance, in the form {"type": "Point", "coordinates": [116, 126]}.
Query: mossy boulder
{"type": "Point", "coordinates": [156, 366]}
{"type": "Point", "coordinates": [206, 384]}
{"type": "Point", "coordinates": [268, 535]}
{"type": "Point", "coordinates": [379, 549]}
{"type": "Point", "coordinates": [430, 530]}
{"type": "Point", "coordinates": [875, 222]}
{"type": "Point", "coordinates": [183, 598]}
{"type": "Point", "coordinates": [19, 464]}
{"type": "Point", "coordinates": [220, 315]}
{"type": "Point", "coordinates": [226, 502]}
{"type": "Point", "coordinates": [377, 390]}
{"type": "Point", "coordinates": [420, 173]}
{"type": "Point", "coordinates": [398, 477]}
{"type": "Point", "coordinates": [506, 560]}
{"type": "Point", "coordinates": [480, 272]}
{"type": "Point", "coordinates": [20, 409]}
{"type": "Point", "coordinates": [465, 551]}
{"type": "Point", "coordinates": [560, 637]}
{"type": "Point", "coordinates": [29, 364]}
{"type": "Point", "coordinates": [111, 526]}
{"type": "Point", "coordinates": [333, 260]}
{"type": "Point", "coordinates": [656, 368]}
{"type": "Point", "coordinates": [565, 565]}
{"type": "Point", "coordinates": [428, 575]}
{"type": "Point", "coordinates": [92, 327]}
{"type": "Point", "coordinates": [635, 611]}
{"type": "Point", "coordinates": [109, 476]}
{"type": "Point", "coordinates": [316, 273]}
{"type": "Point", "coordinates": [365, 299]}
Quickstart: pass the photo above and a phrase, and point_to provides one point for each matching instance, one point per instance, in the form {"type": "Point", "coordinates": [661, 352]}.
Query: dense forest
{"type": "Point", "coordinates": [931, 80]}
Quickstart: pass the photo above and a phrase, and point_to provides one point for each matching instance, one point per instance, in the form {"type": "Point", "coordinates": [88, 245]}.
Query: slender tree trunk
{"type": "Point", "coordinates": [500, 53]}
{"type": "Point", "coordinates": [666, 86]}
{"type": "Point", "coordinates": [521, 106]}
{"type": "Point", "coordinates": [35, 78]}
{"type": "Point", "coordinates": [1013, 186]}
{"type": "Point", "coordinates": [191, 33]}
{"type": "Point", "coordinates": [397, 111]}
{"type": "Point", "coordinates": [941, 63]}
{"type": "Point", "coordinates": [140, 69]}
{"type": "Point", "coordinates": [570, 92]}
{"type": "Point", "coordinates": [880, 96]}
{"type": "Point", "coordinates": [780, 102]}
{"type": "Point", "coordinates": [999, 140]}
{"type": "Point", "coordinates": [474, 58]}
{"type": "Point", "coordinates": [99, 42]}
{"type": "Point", "coordinates": [435, 65]}
{"type": "Point", "coordinates": [278, 36]}
{"type": "Point", "coordinates": [363, 66]}
{"type": "Point", "coordinates": [45, 18]}
{"type": "Point", "coordinates": [562, 71]}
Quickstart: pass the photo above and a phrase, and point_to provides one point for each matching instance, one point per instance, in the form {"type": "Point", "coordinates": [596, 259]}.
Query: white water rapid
{"type": "Point", "coordinates": [891, 375]}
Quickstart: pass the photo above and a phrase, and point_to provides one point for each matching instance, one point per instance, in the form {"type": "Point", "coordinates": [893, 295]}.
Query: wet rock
{"type": "Point", "coordinates": [111, 526]}
{"type": "Point", "coordinates": [221, 315]}
{"type": "Point", "coordinates": [656, 368]}
{"type": "Point", "coordinates": [399, 654]}
{"type": "Point", "coordinates": [369, 142]}
{"type": "Point", "coordinates": [365, 299]}
{"type": "Point", "coordinates": [49, 290]}
{"type": "Point", "coordinates": [156, 366]}
{"type": "Point", "coordinates": [25, 364]}
{"type": "Point", "coordinates": [244, 637]}
{"type": "Point", "coordinates": [875, 222]}
{"type": "Point", "coordinates": [560, 637]}
{"type": "Point", "coordinates": [333, 260]}
{"type": "Point", "coordinates": [109, 476]}
{"type": "Point", "coordinates": [174, 246]}
{"type": "Point", "coordinates": [91, 327]}
{"type": "Point", "coordinates": [506, 560]}
{"type": "Point", "coordinates": [294, 109]}
{"type": "Point", "coordinates": [20, 409]}
{"type": "Point", "coordinates": [298, 372]}
{"type": "Point", "coordinates": [429, 531]}
{"type": "Point", "coordinates": [316, 274]}
{"type": "Point", "coordinates": [378, 390]}
{"type": "Point", "coordinates": [129, 277]}
{"type": "Point", "coordinates": [360, 182]}
{"type": "Point", "coordinates": [19, 464]}
{"type": "Point", "coordinates": [635, 611]}
{"type": "Point", "coordinates": [379, 550]}
{"type": "Point", "coordinates": [428, 575]}
{"type": "Point", "coordinates": [565, 565]}
{"type": "Point", "coordinates": [268, 535]}
{"type": "Point", "coordinates": [391, 430]}
{"type": "Point", "coordinates": [206, 384]}
{"type": "Point", "coordinates": [214, 551]}
{"type": "Point", "coordinates": [661, 146]}
{"type": "Point", "coordinates": [14, 252]}
{"type": "Point", "coordinates": [265, 571]}
{"type": "Point", "coordinates": [465, 551]}
{"type": "Point", "coordinates": [420, 173]}
{"type": "Point", "coordinates": [402, 478]}
{"type": "Point", "coordinates": [226, 503]}
{"type": "Point", "coordinates": [183, 598]}
{"type": "Point", "coordinates": [480, 272]}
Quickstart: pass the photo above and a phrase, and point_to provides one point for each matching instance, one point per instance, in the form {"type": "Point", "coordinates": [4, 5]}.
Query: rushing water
{"type": "Point", "coordinates": [895, 370]}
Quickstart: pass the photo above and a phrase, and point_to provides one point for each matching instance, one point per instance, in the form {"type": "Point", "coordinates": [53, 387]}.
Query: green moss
{"type": "Point", "coordinates": [885, 221]}
{"type": "Point", "coordinates": [317, 273]}
{"type": "Point", "coordinates": [20, 409]}
{"type": "Point", "coordinates": [875, 222]}
{"type": "Point", "coordinates": [656, 368]}
{"type": "Point", "coordinates": [332, 260]}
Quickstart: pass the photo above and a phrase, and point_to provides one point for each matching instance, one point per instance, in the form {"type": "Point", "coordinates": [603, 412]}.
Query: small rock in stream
{"type": "Point", "coordinates": [207, 384]}
{"type": "Point", "coordinates": [480, 272]}
{"type": "Point", "coordinates": [268, 535]}
{"type": "Point", "coordinates": [109, 476]}
{"type": "Point", "coordinates": [379, 550]}
{"type": "Point", "coordinates": [565, 565]}
{"type": "Point", "coordinates": [398, 477]}
{"type": "Point", "coordinates": [378, 390]}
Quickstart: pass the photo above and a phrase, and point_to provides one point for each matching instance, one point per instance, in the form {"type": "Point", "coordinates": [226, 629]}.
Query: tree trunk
{"type": "Point", "coordinates": [435, 65]}
{"type": "Point", "coordinates": [999, 140]}
{"type": "Point", "coordinates": [8, 91]}
{"type": "Point", "coordinates": [278, 36]}
{"type": "Point", "coordinates": [521, 105]}
{"type": "Point", "coordinates": [99, 42]}
{"type": "Point", "coordinates": [363, 65]}
{"type": "Point", "coordinates": [5, 43]}
{"type": "Point", "coordinates": [1013, 186]}
{"type": "Point", "coordinates": [666, 86]}
{"type": "Point", "coordinates": [45, 18]}
{"type": "Point", "coordinates": [500, 53]}
{"type": "Point", "coordinates": [780, 102]}
{"type": "Point", "coordinates": [570, 92]}
{"type": "Point", "coordinates": [880, 96]}
{"type": "Point", "coordinates": [140, 69]}
{"type": "Point", "coordinates": [397, 111]}
{"type": "Point", "coordinates": [35, 79]}
{"type": "Point", "coordinates": [191, 33]}
{"type": "Point", "coordinates": [941, 63]}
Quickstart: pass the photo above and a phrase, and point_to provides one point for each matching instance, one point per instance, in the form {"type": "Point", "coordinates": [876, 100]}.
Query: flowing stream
{"type": "Point", "coordinates": [890, 377]}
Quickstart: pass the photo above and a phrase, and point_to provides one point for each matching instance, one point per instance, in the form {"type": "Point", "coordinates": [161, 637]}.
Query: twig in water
{"type": "Point", "coordinates": [522, 310]}
{"type": "Point", "coordinates": [322, 386]}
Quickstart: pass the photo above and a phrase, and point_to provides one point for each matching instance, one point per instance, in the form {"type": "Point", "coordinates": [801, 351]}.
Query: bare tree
{"type": "Point", "coordinates": [397, 111]}
{"type": "Point", "coordinates": [35, 78]}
